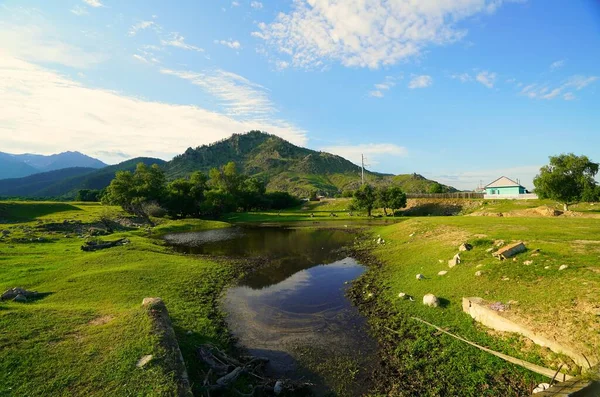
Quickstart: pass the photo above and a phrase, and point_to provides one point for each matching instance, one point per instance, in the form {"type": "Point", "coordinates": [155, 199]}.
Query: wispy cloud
{"type": "Point", "coordinates": [256, 5]}
{"type": "Point", "coordinates": [558, 64]}
{"type": "Point", "coordinates": [387, 84]}
{"type": "Point", "coordinates": [235, 4]}
{"type": "Point", "coordinates": [422, 81]}
{"type": "Point", "coordinates": [373, 151]}
{"type": "Point", "coordinates": [372, 33]}
{"type": "Point", "coordinates": [551, 91]}
{"type": "Point", "coordinates": [93, 3]}
{"type": "Point", "coordinates": [178, 41]}
{"type": "Point", "coordinates": [79, 11]}
{"type": "Point", "coordinates": [233, 44]}
{"type": "Point", "coordinates": [486, 78]}
{"type": "Point", "coordinates": [141, 26]}
{"type": "Point", "coordinates": [462, 77]}
{"type": "Point", "coordinates": [34, 100]}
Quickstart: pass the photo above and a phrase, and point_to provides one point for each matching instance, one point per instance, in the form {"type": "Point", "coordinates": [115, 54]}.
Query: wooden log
{"type": "Point", "coordinates": [510, 250]}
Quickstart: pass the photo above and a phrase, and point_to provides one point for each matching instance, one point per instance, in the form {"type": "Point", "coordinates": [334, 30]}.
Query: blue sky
{"type": "Point", "coordinates": [459, 91]}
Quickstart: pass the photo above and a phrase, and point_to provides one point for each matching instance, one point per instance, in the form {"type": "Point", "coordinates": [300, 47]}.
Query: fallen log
{"type": "Point", "coordinates": [95, 246]}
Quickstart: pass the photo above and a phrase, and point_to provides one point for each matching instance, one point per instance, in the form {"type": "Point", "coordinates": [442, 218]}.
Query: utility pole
{"type": "Point", "coordinates": [362, 158]}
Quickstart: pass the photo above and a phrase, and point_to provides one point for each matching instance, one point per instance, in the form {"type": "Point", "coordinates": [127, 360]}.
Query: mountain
{"type": "Point", "coordinates": [20, 165]}
{"type": "Point", "coordinates": [67, 182]}
{"type": "Point", "coordinates": [286, 166]}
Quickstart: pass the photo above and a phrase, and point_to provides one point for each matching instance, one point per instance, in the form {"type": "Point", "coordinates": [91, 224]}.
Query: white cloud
{"type": "Point", "coordinates": [140, 58]}
{"type": "Point", "coordinates": [38, 103]}
{"type": "Point", "coordinates": [463, 77]}
{"type": "Point", "coordinates": [558, 64]}
{"type": "Point", "coordinates": [486, 78]}
{"type": "Point", "coordinates": [233, 44]}
{"type": "Point", "coordinates": [551, 91]}
{"type": "Point", "coordinates": [376, 94]}
{"type": "Point", "coordinates": [40, 43]}
{"type": "Point", "coordinates": [256, 4]}
{"type": "Point", "coordinates": [367, 33]}
{"type": "Point", "coordinates": [79, 11]}
{"type": "Point", "coordinates": [239, 96]}
{"type": "Point", "coordinates": [178, 41]}
{"type": "Point", "coordinates": [388, 83]}
{"type": "Point", "coordinates": [373, 151]}
{"type": "Point", "coordinates": [422, 81]}
{"type": "Point", "coordinates": [235, 4]}
{"type": "Point", "coordinates": [93, 3]}
{"type": "Point", "coordinates": [140, 26]}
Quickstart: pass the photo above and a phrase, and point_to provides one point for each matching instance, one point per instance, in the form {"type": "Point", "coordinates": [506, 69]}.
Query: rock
{"type": "Point", "coordinates": [465, 247]}
{"type": "Point", "coordinates": [563, 267]}
{"type": "Point", "coordinates": [14, 292]}
{"type": "Point", "coordinates": [454, 261]}
{"type": "Point", "coordinates": [478, 273]}
{"type": "Point", "coordinates": [431, 300]}
{"type": "Point", "coordinates": [278, 388]}
{"type": "Point", "coordinates": [144, 360]}
{"type": "Point", "coordinates": [527, 263]}
{"type": "Point", "coordinates": [505, 278]}
{"type": "Point", "coordinates": [402, 295]}
{"type": "Point", "coordinates": [489, 250]}
{"type": "Point", "coordinates": [547, 267]}
{"type": "Point", "coordinates": [20, 298]}
{"type": "Point", "coordinates": [541, 387]}
{"type": "Point", "coordinates": [443, 273]}
{"type": "Point", "coordinates": [420, 276]}
{"type": "Point", "coordinates": [380, 241]}
{"type": "Point", "coordinates": [499, 243]}
{"type": "Point", "coordinates": [411, 235]}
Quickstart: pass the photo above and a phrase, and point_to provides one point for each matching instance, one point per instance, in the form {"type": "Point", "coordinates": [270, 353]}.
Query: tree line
{"type": "Point", "coordinates": [368, 197]}
{"type": "Point", "coordinates": [146, 192]}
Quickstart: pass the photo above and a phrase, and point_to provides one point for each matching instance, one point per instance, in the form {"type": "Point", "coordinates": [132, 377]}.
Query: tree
{"type": "Point", "coordinates": [568, 179]}
{"type": "Point", "coordinates": [436, 188]}
{"type": "Point", "coordinates": [383, 198]}
{"type": "Point", "coordinates": [365, 197]}
{"type": "Point", "coordinates": [396, 199]}
{"type": "Point", "coordinates": [91, 195]}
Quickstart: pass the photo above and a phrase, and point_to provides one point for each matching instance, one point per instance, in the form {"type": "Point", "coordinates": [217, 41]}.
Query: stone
{"type": "Point", "coordinates": [510, 250]}
{"type": "Point", "coordinates": [443, 273]}
{"type": "Point", "coordinates": [505, 278]}
{"type": "Point", "coordinates": [489, 250]}
{"type": "Point", "coordinates": [454, 261]}
{"type": "Point", "coordinates": [20, 298]}
{"type": "Point", "coordinates": [547, 267]}
{"type": "Point", "coordinates": [431, 300]}
{"type": "Point", "coordinates": [527, 263]}
{"type": "Point", "coordinates": [402, 295]}
{"type": "Point", "coordinates": [478, 273]}
{"type": "Point", "coordinates": [465, 247]}
{"type": "Point", "coordinates": [278, 388]}
{"type": "Point", "coordinates": [144, 360]}
{"type": "Point", "coordinates": [541, 387]}
{"type": "Point", "coordinates": [420, 276]}
{"type": "Point", "coordinates": [14, 292]}
{"type": "Point", "coordinates": [563, 267]}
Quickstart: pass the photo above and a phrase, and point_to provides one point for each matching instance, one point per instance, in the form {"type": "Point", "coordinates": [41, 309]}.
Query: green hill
{"type": "Point", "coordinates": [66, 182]}
{"type": "Point", "coordinates": [286, 166]}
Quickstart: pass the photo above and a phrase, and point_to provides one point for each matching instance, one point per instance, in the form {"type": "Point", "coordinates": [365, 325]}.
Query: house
{"type": "Point", "coordinates": [505, 186]}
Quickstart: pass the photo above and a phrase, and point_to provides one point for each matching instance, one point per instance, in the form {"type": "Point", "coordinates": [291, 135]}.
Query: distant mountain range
{"type": "Point", "coordinates": [283, 165]}
{"type": "Point", "coordinates": [21, 165]}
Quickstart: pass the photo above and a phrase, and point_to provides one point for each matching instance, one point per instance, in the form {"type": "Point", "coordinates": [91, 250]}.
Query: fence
{"type": "Point", "coordinates": [459, 195]}
{"type": "Point", "coordinates": [529, 196]}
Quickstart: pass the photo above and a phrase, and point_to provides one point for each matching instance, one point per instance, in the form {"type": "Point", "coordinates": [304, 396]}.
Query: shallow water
{"type": "Point", "coordinates": [294, 309]}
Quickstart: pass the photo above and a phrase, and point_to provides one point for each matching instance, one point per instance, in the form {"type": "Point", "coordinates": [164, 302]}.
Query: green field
{"type": "Point", "coordinates": [85, 335]}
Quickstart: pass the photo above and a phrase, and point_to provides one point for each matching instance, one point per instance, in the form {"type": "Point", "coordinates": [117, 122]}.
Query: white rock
{"type": "Point", "coordinates": [547, 267]}
{"type": "Point", "coordinates": [454, 261]}
{"type": "Point", "coordinates": [144, 360]}
{"type": "Point", "coordinates": [478, 273]}
{"type": "Point", "coordinates": [431, 300]}
{"type": "Point", "coordinates": [420, 276]}
{"type": "Point", "coordinates": [402, 295]}
{"type": "Point", "coordinates": [527, 263]}
{"type": "Point", "coordinates": [278, 388]}
{"type": "Point", "coordinates": [443, 273]}
{"type": "Point", "coordinates": [563, 267]}
{"type": "Point", "coordinates": [541, 387]}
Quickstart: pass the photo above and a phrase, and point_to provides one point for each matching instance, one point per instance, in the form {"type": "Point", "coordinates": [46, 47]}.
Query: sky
{"type": "Point", "coordinates": [460, 91]}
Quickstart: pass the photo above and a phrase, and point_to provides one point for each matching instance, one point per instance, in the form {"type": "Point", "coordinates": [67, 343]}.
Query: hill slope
{"type": "Point", "coordinates": [286, 166]}
{"type": "Point", "coordinates": [66, 182]}
{"type": "Point", "coordinates": [13, 168]}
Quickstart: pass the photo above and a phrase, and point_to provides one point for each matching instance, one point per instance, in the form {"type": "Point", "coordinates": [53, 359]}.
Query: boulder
{"type": "Point", "coordinates": [465, 247]}
{"type": "Point", "coordinates": [14, 292]}
{"type": "Point", "coordinates": [454, 261]}
{"type": "Point", "coordinates": [20, 298]}
{"type": "Point", "coordinates": [431, 300]}
{"type": "Point", "coordinates": [510, 250]}
{"type": "Point", "coordinates": [443, 273]}
{"type": "Point", "coordinates": [420, 276]}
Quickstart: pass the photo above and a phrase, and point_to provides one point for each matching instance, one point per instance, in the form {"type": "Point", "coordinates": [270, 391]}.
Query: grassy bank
{"type": "Point", "coordinates": [561, 304]}
{"type": "Point", "coordinates": [88, 330]}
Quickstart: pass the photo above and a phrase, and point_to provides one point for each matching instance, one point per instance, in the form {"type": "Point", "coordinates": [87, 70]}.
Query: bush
{"type": "Point", "coordinates": [154, 210]}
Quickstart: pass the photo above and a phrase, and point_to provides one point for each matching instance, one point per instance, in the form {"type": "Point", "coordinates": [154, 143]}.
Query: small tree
{"type": "Point", "coordinates": [365, 197]}
{"type": "Point", "coordinates": [396, 199]}
{"type": "Point", "coordinates": [568, 179]}
{"type": "Point", "coordinates": [383, 198]}
{"type": "Point", "coordinates": [436, 188]}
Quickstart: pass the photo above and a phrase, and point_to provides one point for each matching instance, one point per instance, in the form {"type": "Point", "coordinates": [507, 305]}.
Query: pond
{"type": "Point", "coordinates": [293, 309]}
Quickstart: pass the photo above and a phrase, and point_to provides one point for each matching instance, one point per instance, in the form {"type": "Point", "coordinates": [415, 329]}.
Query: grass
{"type": "Point", "coordinates": [85, 336]}
{"type": "Point", "coordinates": [561, 304]}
